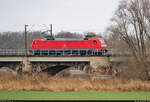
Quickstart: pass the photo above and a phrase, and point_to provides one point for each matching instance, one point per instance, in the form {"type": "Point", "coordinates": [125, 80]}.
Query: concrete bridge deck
{"type": "Point", "coordinates": [95, 62]}
{"type": "Point", "coordinates": [60, 58]}
{"type": "Point", "coordinates": [45, 59]}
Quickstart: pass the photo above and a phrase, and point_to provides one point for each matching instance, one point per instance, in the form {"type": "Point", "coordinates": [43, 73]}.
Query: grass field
{"type": "Point", "coordinates": [57, 88]}
{"type": "Point", "coordinates": [59, 84]}
{"type": "Point", "coordinates": [45, 95]}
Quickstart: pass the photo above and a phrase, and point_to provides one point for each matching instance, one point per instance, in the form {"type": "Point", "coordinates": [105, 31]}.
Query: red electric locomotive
{"type": "Point", "coordinates": [68, 46]}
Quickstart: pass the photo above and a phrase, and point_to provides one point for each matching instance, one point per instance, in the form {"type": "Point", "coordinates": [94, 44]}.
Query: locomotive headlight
{"type": "Point", "coordinates": [103, 45]}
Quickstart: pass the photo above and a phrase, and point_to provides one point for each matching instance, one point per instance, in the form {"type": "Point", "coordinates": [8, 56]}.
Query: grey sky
{"type": "Point", "coordinates": [67, 15]}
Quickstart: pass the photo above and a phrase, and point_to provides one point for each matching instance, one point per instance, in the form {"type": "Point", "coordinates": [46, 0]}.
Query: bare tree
{"type": "Point", "coordinates": [15, 40]}
{"type": "Point", "coordinates": [131, 23]}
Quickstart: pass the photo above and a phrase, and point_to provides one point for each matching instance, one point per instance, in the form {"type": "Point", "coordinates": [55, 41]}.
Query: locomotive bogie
{"type": "Point", "coordinates": [66, 52]}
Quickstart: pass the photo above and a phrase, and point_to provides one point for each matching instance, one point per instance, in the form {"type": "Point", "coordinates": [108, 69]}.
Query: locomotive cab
{"type": "Point", "coordinates": [103, 45]}
{"type": "Point", "coordinates": [34, 44]}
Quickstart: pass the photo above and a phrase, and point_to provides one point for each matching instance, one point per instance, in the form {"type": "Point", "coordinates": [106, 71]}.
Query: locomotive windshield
{"type": "Point", "coordinates": [34, 42]}
{"type": "Point", "coordinates": [95, 41]}
{"type": "Point", "coordinates": [102, 41]}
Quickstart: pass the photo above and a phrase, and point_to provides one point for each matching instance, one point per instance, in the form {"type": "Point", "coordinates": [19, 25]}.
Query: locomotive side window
{"type": "Point", "coordinates": [95, 42]}
{"type": "Point", "coordinates": [102, 41]}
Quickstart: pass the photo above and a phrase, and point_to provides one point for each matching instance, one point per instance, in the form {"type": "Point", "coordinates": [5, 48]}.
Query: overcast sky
{"type": "Point", "coordinates": [67, 15]}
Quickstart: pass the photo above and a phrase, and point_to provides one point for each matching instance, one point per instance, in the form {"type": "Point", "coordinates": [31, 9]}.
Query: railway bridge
{"type": "Point", "coordinates": [36, 62]}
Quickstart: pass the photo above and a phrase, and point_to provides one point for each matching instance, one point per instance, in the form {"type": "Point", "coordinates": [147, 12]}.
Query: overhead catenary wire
{"type": "Point", "coordinates": [78, 28]}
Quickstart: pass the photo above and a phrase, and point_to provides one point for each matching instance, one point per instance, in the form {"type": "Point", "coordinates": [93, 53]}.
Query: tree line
{"type": "Point", "coordinates": [130, 25]}
{"type": "Point", "coordinates": [15, 40]}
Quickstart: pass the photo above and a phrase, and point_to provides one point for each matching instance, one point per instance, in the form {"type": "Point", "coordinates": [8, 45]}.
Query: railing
{"type": "Point", "coordinates": [119, 53]}
{"type": "Point", "coordinates": [12, 52]}
{"type": "Point", "coordinates": [77, 52]}
{"type": "Point", "coordinates": [57, 52]}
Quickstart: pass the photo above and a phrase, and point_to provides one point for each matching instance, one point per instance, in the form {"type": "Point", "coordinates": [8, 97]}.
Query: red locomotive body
{"type": "Point", "coordinates": [44, 46]}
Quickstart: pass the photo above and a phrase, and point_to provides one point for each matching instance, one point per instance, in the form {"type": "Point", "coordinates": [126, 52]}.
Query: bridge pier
{"type": "Point", "coordinates": [99, 66]}
{"type": "Point", "coordinates": [95, 62]}
{"type": "Point", "coordinates": [26, 65]}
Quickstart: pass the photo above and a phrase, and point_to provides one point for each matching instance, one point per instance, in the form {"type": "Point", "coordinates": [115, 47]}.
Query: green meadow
{"type": "Point", "coordinates": [45, 95]}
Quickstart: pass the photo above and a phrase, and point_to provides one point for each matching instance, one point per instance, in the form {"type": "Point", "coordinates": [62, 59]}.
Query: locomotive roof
{"type": "Point", "coordinates": [75, 38]}
{"type": "Point", "coordinates": [68, 39]}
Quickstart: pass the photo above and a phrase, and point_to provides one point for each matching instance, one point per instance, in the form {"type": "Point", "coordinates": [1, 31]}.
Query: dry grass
{"type": "Point", "coordinates": [45, 83]}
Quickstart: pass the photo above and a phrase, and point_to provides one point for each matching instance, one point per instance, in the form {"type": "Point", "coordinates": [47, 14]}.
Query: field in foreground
{"type": "Point", "coordinates": [56, 84]}
{"type": "Point", "coordinates": [45, 95]}
{"type": "Point", "coordinates": [43, 87]}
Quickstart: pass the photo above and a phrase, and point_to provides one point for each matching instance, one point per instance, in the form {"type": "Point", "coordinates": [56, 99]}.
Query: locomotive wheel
{"type": "Point", "coordinates": [99, 53]}
{"type": "Point", "coordinates": [59, 52]}
{"type": "Point", "coordinates": [52, 53]}
{"type": "Point", "coordinates": [36, 53]}
{"type": "Point", "coordinates": [89, 52]}
{"type": "Point", "coordinates": [74, 52]}
{"type": "Point", "coordinates": [82, 53]}
{"type": "Point", "coordinates": [44, 53]}
{"type": "Point", "coordinates": [67, 52]}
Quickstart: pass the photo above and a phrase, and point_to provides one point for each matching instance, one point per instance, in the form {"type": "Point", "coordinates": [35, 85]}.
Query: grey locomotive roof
{"type": "Point", "coordinates": [66, 39]}
{"type": "Point", "coordinates": [69, 39]}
